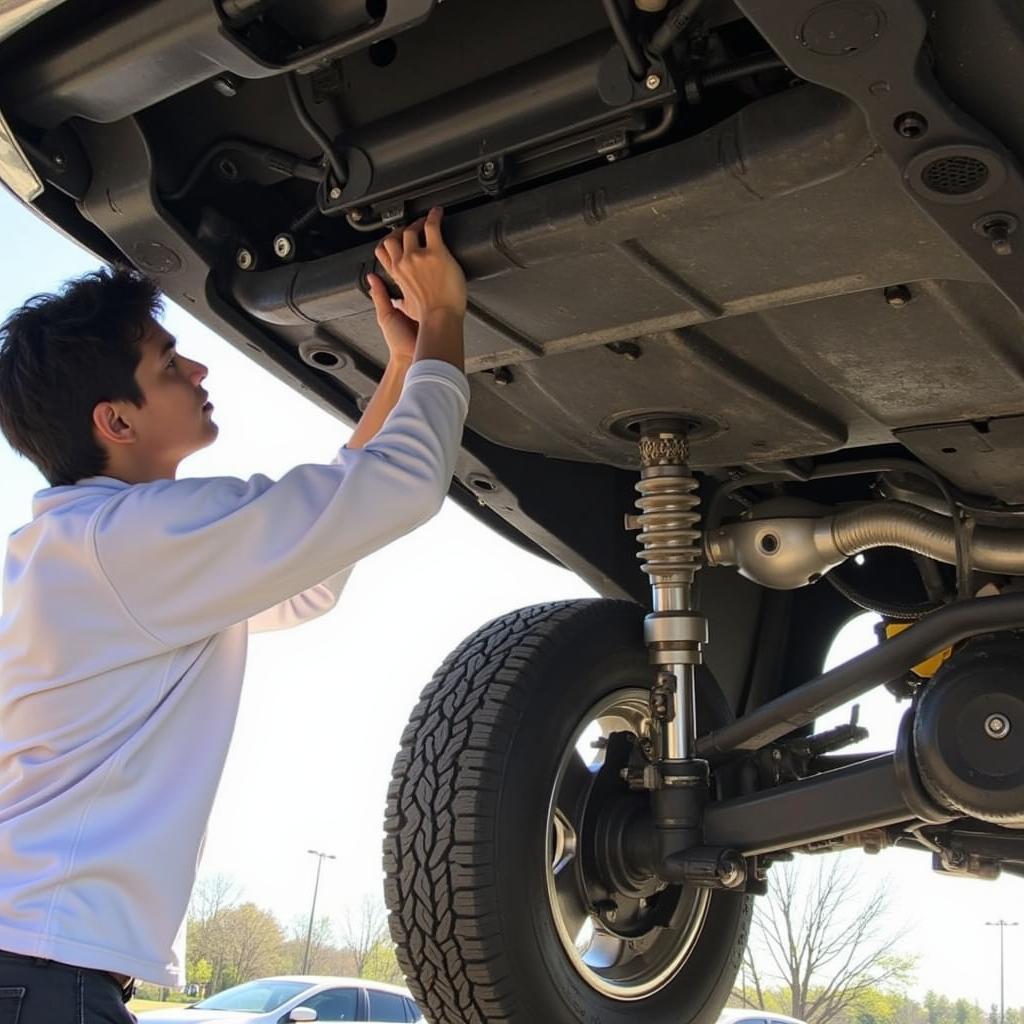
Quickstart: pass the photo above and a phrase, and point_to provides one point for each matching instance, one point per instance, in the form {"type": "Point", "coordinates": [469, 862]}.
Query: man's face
{"type": "Point", "coordinates": [176, 419]}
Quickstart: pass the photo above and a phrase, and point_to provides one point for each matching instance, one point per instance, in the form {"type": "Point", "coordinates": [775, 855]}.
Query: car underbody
{"type": "Point", "coordinates": [758, 260]}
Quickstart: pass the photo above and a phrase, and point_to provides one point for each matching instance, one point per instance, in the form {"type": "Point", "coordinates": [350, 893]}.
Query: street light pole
{"type": "Point", "coordinates": [320, 857]}
{"type": "Point", "coordinates": [1002, 926]}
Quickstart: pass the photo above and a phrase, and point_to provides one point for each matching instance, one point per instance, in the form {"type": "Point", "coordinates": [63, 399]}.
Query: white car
{"type": "Point", "coordinates": [751, 1015]}
{"type": "Point", "coordinates": [296, 998]}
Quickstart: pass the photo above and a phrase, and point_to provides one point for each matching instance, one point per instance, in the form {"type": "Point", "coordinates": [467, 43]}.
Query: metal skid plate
{"type": "Point", "coordinates": [951, 167]}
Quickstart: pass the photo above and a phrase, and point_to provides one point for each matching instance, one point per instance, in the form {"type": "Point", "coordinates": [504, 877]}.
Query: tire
{"type": "Point", "coordinates": [469, 813]}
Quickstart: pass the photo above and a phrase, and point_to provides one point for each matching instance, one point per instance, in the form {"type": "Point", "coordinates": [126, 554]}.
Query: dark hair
{"type": "Point", "coordinates": [62, 354]}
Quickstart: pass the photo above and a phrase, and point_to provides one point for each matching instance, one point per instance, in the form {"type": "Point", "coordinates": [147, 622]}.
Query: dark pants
{"type": "Point", "coordinates": [44, 992]}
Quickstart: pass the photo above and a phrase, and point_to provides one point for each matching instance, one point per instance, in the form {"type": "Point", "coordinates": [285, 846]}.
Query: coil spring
{"type": "Point", "coordinates": [670, 538]}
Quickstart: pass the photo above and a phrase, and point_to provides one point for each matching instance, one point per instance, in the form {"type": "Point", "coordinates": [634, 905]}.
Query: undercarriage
{"type": "Point", "coordinates": [746, 274]}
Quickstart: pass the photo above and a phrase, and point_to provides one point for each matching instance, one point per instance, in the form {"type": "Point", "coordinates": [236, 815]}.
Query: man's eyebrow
{"type": "Point", "coordinates": [167, 346]}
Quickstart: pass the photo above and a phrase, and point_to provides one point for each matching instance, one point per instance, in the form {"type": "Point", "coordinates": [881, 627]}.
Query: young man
{"type": "Point", "coordinates": [128, 598]}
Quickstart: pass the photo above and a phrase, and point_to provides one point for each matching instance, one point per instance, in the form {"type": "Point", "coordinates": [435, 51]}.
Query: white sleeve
{"type": "Point", "coordinates": [188, 558]}
{"type": "Point", "coordinates": [310, 604]}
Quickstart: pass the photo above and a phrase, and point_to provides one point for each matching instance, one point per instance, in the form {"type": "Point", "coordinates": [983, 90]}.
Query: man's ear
{"type": "Point", "coordinates": [110, 424]}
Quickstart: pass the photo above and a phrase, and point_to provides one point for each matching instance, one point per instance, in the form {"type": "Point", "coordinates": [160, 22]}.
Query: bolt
{"type": "Point", "coordinates": [731, 871]}
{"type": "Point", "coordinates": [356, 215]}
{"type": "Point", "coordinates": [776, 755]}
{"type": "Point", "coordinates": [488, 170]}
{"type": "Point", "coordinates": [997, 727]}
{"type": "Point", "coordinates": [911, 125]}
{"type": "Point", "coordinates": [997, 228]}
{"type": "Point", "coordinates": [611, 157]}
{"type": "Point", "coordinates": [226, 85]}
{"type": "Point", "coordinates": [653, 82]}
{"type": "Point", "coordinates": [245, 259]}
{"type": "Point", "coordinates": [630, 349]}
{"type": "Point", "coordinates": [59, 160]}
{"type": "Point", "coordinates": [503, 376]}
{"type": "Point", "coordinates": [955, 858]}
{"type": "Point", "coordinates": [284, 246]}
{"type": "Point", "coordinates": [998, 233]}
{"type": "Point", "coordinates": [335, 193]}
{"type": "Point", "coordinates": [897, 295]}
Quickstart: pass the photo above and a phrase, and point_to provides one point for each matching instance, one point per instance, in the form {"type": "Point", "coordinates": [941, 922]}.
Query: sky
{"type": "Point", "coordinates": [324, 705]}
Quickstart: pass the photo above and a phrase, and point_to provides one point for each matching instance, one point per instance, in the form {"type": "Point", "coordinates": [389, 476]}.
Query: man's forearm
{"type": "Point", "coordinates": [440, 336]}
{"type": "Point", "coordinates": [380, 405]}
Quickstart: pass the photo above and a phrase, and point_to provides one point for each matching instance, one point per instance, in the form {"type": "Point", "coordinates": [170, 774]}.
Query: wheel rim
{"type": "Point", "coordinates": [625, 960]}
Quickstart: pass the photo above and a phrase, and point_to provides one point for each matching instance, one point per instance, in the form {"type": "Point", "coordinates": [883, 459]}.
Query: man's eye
{"type": "Point", "coordinates": [172, 362]}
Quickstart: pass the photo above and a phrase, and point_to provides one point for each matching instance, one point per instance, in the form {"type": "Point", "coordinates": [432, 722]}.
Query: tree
{"type": "Point", "coordinates": [381, 964]}
{"type": "Point", "coordinates": [939, 1009]}
{"type": "Point", "coordinates": [256, 941]}
{"type": "Point", "coordinates": [365, 929]}
{"type": "Point", "coordinates": [818, 948]}
{"type": "Point", "coordinates": [201, 974]}
{"type": "Point", "coordinates": [211, 894]}
{"type": "Point", "coordinates": [323, 955]}
{"type": "Point", "coordinates": [238, 942]}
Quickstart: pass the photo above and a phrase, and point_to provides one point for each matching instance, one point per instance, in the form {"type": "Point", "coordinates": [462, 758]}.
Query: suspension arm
{"type": "Point", "coordinates": [890, 660]}
{"type": "Point", "coordinates": [857, 798]}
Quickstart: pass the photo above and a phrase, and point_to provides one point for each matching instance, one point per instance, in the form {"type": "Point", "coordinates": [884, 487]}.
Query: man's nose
{"type": "Point", "coordinates": [198, 373]}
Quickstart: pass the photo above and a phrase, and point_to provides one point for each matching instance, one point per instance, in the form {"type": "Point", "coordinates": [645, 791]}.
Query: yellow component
{"type": "Point", "coordinates": [931, 665]}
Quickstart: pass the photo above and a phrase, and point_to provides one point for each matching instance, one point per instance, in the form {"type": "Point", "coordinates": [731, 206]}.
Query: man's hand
{"type": "Point", "coordinates": [398, 329]}
{"type": "Point", "coordinates": [430, 279]}
{"type": "Point", "coordinates": [433, 293]}
{"type": "Point", "coordinates": [426, 323]}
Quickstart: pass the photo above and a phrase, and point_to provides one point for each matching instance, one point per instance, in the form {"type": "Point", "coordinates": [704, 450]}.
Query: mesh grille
{"type": "Point", "coordinates": [955, 175]}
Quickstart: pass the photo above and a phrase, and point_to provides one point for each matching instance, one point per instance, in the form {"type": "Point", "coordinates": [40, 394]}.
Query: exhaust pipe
{"type": "Point", "coordinates": [785, 553]}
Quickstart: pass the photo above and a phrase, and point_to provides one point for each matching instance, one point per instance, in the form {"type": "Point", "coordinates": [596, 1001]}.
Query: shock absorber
{"type": "Point", "coordinates": [670, 554]}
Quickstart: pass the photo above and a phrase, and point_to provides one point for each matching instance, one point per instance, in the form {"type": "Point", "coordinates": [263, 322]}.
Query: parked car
{"type": "Point", "coordinates": [761, 262]}
{"type": "Point", "coordinates": [296, 998]}
{"type": "Point", "coordinates": [750, 1015]}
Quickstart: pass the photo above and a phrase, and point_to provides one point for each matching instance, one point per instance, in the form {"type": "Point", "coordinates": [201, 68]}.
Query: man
{"type": "Point", "coordinates": [128, 599]}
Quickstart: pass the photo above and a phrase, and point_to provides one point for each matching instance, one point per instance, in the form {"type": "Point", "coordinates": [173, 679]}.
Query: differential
{"type": "Point", "coordinates": [969, 731]}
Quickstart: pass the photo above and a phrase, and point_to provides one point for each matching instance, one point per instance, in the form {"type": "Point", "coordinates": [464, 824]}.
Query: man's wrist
{"type": "Point", "coordinates": [400, 363]}
{"type": "Point", "coordinates": [442, 318]}
{"type": "Point", "coordinates": [440, 336]}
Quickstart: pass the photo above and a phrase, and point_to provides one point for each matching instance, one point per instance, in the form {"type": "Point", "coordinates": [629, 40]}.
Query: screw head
{"type": "Point", "coordinates": [997, 228]}
{"type": "Point", "coordinates": [488, 169]}
{"type": "Point", "coordinates": [503, 376]}
{"type": "Point", "coordinates": [999, 235]}
{"type": "Point", "coordinates": [284, 246]}
{"type": "Point", "coordinates": [245, 259]}
{"type": "Point", "coordinates": [60, 160]}
{"type": "Point", "coordinates": [653, 82]}
{"type": "Point", "coordinates": [897, 295]}
{"type": "Point", "coordinates": [911, 125]}
{"type": "Point", "coordinates": [226, 85]}
{"type": "Point", "coordinates": [954, 858]}
{"type": "Point", "coordinates": [335, 193]}
{"type": "Point", "coordinates": [997, 727]}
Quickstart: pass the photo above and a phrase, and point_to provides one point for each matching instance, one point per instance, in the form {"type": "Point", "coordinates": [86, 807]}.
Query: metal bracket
{"type": "Point", "coordinates": [956, 171]}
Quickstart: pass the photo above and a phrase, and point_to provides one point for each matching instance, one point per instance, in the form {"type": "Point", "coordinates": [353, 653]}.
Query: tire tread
{"type": "Point", "coordinates": [438, 848]}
